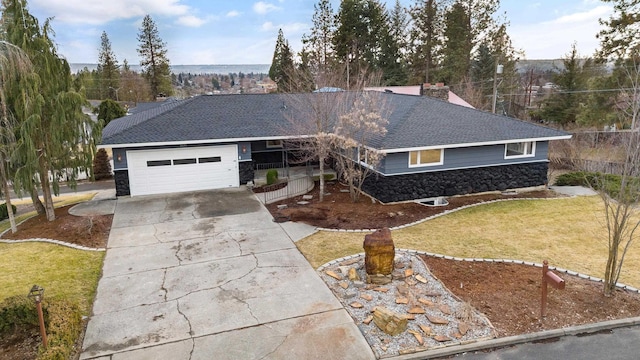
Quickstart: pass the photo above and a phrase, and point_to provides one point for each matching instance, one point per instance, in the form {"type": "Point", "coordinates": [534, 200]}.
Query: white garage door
{"type": "Point", "coordinates": [182, 169]}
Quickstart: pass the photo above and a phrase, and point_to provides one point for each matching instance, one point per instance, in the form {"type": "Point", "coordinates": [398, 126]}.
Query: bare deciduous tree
{"type": "Point", "coordinates": [621, 200]}
{"type": "Point", "coordinates": [354, 154]}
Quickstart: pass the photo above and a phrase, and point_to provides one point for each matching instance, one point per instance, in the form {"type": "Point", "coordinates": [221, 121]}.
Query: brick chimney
{"type": "Point", "coordinates": [438, 91]}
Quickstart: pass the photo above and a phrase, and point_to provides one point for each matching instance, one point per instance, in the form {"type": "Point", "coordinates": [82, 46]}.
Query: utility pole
{"type": "Point", "coordinates": [499, 68]}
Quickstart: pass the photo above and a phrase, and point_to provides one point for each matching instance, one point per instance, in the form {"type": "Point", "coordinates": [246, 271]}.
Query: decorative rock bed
{"type": "Point", "coordinates": [436, 317]}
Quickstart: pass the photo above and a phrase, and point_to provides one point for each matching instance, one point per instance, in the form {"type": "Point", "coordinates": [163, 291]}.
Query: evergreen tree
{"type": "Point", "coordinates": [318, 45]}
{"type": "Point", "coordinates": [154, 63]}
{"type": "Point", "coordinates": [109, 110]}
{"type": "Point", "coordinates": [55, 136]}
{"type": "Point", "coordinates": [458, 45]}
{"type": "Point", "coordinates": [282, 67]}
{"type": "Point", "coordinates": [108, 69]}
{"type": "Point", "coordinates": [621, 37]}
{"type": "Point", "coordinates": [101, 165]}
{"type": "Point", "coordinates": [483, 70]}
{"type": "Point", "coordinates": [392, 60]}
{"type": "Point", "coordinates": [563, 107]}
{"type": "Point", "coordinates": [358, 41]}
{"type": "Point", "coordinates": [425, 37]}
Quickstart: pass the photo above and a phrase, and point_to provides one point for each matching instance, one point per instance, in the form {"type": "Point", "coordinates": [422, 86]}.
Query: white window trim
{"type": "Point", "coordinates": [533, 151]}
{"type": "Point", "coordinates": [441, 162]}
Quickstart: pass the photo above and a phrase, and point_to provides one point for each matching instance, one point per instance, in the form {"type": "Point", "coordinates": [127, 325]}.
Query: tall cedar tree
{"type": "Point", "coordinates": [154, 62]}
{"type": "Point", "coordinates": [108, 70]}
{"type": "Point", "coordinates": [621, 37]}
{"type": "Point", "coordinates": [55, 138]}
{"type": "Point", "coordinates": [282, 68]}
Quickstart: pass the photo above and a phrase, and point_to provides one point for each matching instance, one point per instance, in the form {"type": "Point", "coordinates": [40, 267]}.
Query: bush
{"type": "Point", "coordinates": [3, 211]}
{"type": "Point", "coordinates": [17, 312]}
{"type": "Point", "coordinates": [272, 176]}
{"type": "Point", "coordinates": [101, 165]}
{"type": "Point", "coordinates": [64, 327]}
{"type": "Point", "coordinates": [610, 183]}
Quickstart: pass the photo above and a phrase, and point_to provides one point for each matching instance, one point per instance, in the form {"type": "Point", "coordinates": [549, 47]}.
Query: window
{"type": "Point", "coordinates": [152, 163]}
{"type": "Point", "coordinates": [212, 159]}
{"type": "Point", "coordinates": [274, 144]}
{"type": "Point", "coordinates": [184, 161]}
{"type": "Point", "coordinates": [520, 149]}
{"type": "Point", "coordinates": [425, 158]}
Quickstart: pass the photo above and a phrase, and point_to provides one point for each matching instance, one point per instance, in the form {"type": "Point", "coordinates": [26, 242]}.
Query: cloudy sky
{"type": "Point", "coordinates": [244, 32]}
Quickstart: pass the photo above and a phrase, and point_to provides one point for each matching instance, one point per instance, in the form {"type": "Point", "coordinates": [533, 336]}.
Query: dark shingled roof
{"type": "Point", "coordinates": [414, 121]}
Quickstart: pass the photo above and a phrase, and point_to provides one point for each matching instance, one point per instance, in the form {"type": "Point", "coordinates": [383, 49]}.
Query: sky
{"type": "Point", "coordinates": [201, 32]}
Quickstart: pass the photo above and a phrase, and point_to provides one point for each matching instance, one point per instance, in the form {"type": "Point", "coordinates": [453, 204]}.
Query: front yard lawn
{"type": "Point", "coordinates": [569, 232]}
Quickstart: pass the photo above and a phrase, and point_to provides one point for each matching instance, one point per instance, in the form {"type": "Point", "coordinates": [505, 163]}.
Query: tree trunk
{"type": "Point", "coordinates": [7, 196]}
{"type": "Point", "coordinates": [46, 192]}
{"type": "Point", "coordinates": [321, 196]}
{"type": "Point", "coordinates": [35, 199]}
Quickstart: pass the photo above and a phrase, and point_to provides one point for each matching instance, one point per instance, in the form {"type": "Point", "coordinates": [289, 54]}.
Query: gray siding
{"type": "Point", "coordinates": [461, 158]}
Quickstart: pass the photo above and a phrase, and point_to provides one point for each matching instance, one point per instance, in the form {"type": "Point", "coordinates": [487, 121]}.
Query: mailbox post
{"type": "Point", "coordinates": [548, 277]}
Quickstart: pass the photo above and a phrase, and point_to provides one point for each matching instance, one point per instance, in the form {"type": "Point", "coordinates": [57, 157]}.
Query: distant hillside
{"type": "Point", "coordinates": [195, 69]}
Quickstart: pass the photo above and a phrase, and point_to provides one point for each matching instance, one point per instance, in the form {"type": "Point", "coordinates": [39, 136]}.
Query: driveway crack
{"type": "Point", "coordinates": [164, 278]}
{"type": "Point", "coordinates": [178, 248]}
{"type": "Point", "coordinates": [234, 295]}
{"type": "Point", "coordinates": [193, 341]}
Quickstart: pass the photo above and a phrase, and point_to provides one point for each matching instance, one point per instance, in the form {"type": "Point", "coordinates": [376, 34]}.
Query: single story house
{"type": "Point", "coordinates": [432, 147]}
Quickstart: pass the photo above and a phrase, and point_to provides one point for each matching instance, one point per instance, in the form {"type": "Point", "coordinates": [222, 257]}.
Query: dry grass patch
{"type": "Point", "coordinates": [569, 232]}
{"type": "Point", "coordinates": [65, 273]}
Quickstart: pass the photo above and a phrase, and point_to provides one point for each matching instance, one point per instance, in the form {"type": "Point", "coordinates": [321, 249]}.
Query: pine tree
{"type": "Point", "coordinates": [425, 37]}
{"type": "Point", "coordinates": [457, 50]}
{"type": "Point", "coordinates": [621, 37]}
{"type": "Point", "coordinates": [563, 107]}
{"type": "Point", "coordinates": [358, 41]}
{"type": "Point", "coordinates": [393, 43]}
{"type": "Point", "coordinates": [109, 110]}
{"type": "Point", "coordinates": [318, 45]}
{"type": "Point", "coordinates": [54, 134]}
{"type": "Point", "coordinates": [108, 69]}
{"type": "Point", "coordinates": [282, 67]}
{"type": "Point", "coordinates": [154, 62]}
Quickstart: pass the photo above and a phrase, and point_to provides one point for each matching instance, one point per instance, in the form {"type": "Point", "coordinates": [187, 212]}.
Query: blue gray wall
{"type": "Point", "coordinates": [461, 158]}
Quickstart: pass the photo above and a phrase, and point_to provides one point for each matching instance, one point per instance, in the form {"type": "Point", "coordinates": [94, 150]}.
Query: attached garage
{"type": "Point", "coordinates": [163, 171]}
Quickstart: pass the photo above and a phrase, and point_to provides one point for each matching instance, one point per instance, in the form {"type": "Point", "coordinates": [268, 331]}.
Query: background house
{"type": "Point", "coordinates": [432, 147]}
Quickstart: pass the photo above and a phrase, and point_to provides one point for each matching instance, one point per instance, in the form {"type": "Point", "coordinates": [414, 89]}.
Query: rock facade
{"type": "Point", "coordinates": [246, 171]}
{"type": "Point", "coordinates": [122, 182]}
{"type": "Point", "coordinates": [379, 253]}
{"type": "Point", "coordinates": [455, 182]}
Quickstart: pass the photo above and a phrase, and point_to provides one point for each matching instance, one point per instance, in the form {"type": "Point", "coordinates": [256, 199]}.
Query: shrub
{"type": "Point", "coordinates": [272, 176]}
{"type": "Point", "coordinates": [64, 327]}
{"type": "Point", "coordinates": [3, 211]}
{"type": "Point", "coordinates": [17, 312]}
{"type": "Point", "coordinates": [101, 165]}
{"type": "Point", "coordinates": [610, 183]}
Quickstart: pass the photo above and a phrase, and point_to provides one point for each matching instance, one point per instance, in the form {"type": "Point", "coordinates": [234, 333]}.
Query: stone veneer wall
{"type": "Point", "coordinates": [246, 171]}
{"type": "Point", "coordinates": [454, 182]}
{"type": "Point", "coordinates": [122, 182]}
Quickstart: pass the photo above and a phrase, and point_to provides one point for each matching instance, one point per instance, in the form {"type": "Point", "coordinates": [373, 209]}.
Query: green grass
{"type": "Point", "coordinates": [570, 233]}
{"type": "Point", "coordinates": [65, 273]}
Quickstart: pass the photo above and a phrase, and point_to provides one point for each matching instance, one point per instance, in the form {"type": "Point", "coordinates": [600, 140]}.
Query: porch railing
{"type": "Point", "coordinates": [283, 170]}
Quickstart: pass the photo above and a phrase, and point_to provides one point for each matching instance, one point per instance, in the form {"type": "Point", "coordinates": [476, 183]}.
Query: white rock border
{"type": "Point", "coordinates": [506, 261]}
{"type": "Point", "coordinates": [51, 241]}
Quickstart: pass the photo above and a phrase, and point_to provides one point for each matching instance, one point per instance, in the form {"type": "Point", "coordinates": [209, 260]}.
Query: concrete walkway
{"type": "Point", "coordinates": [208, 275]}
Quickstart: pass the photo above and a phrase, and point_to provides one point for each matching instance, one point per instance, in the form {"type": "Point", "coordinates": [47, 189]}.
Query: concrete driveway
{"type": "Point", "coordinates": [208, 275]}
